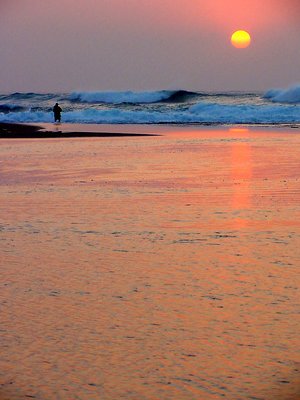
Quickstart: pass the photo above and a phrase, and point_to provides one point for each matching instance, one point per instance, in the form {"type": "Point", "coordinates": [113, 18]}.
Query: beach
{"type": "Point", "coordinates": [161, 265]}
{"type": "Point", "coordinates": [51, 131]}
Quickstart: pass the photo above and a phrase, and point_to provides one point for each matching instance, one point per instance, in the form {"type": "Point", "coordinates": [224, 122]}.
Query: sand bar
{"type": "Point", "coordinates": [161, 267]}
{"type": "Point", "coordinates": [44, 131]}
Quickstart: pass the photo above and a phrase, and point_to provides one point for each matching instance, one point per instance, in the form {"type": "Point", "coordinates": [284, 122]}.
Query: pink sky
{"type": "Point", "coordinates": [147, 44]}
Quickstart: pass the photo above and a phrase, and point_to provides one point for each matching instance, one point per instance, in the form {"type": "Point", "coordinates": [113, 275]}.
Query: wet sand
{"type": "Point", "coordinates": [46, 131]}
{"type": "Point", "coordinates": [156, 267]}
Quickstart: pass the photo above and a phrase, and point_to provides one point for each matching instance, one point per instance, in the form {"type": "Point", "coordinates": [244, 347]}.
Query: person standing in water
{"type": "Point", "coordinates": [57, 113]}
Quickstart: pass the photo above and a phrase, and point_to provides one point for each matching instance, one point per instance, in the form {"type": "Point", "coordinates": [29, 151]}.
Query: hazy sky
{"type": "Point", "coordinates": [66, 45]}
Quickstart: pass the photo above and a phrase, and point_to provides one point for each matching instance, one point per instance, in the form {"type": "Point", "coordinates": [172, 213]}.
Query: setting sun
{"type": "Point", "coordinates": [240, 39]}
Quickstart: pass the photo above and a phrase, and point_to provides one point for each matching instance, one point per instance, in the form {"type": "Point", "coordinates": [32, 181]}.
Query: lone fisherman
{"type": "Point", "coordinates": [57, 113]}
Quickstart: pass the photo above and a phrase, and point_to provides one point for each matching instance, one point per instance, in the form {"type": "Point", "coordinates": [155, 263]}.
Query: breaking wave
{"type": "Point", "coordinates": [290, 95]}
{"type": "Point", "coordinates": [202, 113]}
{"type": "Point", "coordinates": [275, 107]}
{"type": "Point", "coordinates": [130, 97]}
{"type": "Point", "coordinates": [7, 108]}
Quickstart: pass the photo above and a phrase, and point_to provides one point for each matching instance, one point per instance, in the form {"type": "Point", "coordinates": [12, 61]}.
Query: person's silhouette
{"type": "Point", "coordinates": [57, 113]}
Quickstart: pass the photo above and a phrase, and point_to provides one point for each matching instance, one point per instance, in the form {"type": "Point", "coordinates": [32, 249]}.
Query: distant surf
{"type": "Point", "coordinates": [275, 107]}
{"type": "Point", "coordinates": [130, 97]}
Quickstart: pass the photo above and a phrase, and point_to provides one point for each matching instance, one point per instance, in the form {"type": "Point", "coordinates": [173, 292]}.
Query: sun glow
{"type": "Point", "coordinates": [240, 39]}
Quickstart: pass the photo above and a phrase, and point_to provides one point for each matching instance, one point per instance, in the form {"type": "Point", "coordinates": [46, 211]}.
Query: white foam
{"type": "Point", "coordinates": [199, 113]}
{"type": "Point", "coordinates": [121, 97]}
{"type": "Point", "coordinates": [290, 95]}
{"type": "Point", "coordinates": [26, 116]}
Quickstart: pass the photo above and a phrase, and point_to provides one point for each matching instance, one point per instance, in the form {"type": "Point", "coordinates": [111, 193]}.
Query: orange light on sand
{"type": "Point", "coordinates": [240, 39]}
{"type": "Point", "coordinates": [239, 130]}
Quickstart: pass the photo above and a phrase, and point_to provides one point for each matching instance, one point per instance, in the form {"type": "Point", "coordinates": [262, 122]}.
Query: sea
{"type": "Point", "coordinates": [274, 107]}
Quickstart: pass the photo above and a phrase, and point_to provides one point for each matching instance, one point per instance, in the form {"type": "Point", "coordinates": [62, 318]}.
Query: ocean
{"type": "Point", "coordinates": [275, 107]}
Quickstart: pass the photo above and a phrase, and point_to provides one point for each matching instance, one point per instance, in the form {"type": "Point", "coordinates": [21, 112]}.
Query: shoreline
{"type": "Point", "coordinates": [28, 131]}
{"type": "Point", "coordinates": [68, 130]}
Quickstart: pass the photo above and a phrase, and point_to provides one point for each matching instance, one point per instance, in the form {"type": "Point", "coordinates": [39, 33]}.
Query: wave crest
{"type": "Point", "coordinates": [290, 95]}
{"type": "Point", "coordinates": [130, 97]}
{"type": "Point", "coordinates": [6, 108]}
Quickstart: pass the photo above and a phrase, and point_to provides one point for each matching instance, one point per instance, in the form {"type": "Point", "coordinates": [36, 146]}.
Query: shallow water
{"type": "Point", "coordinates": [151, 268]}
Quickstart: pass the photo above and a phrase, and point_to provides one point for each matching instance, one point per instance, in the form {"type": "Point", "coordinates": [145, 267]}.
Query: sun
{"type": "Point", "coordinates": [240, 39]}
